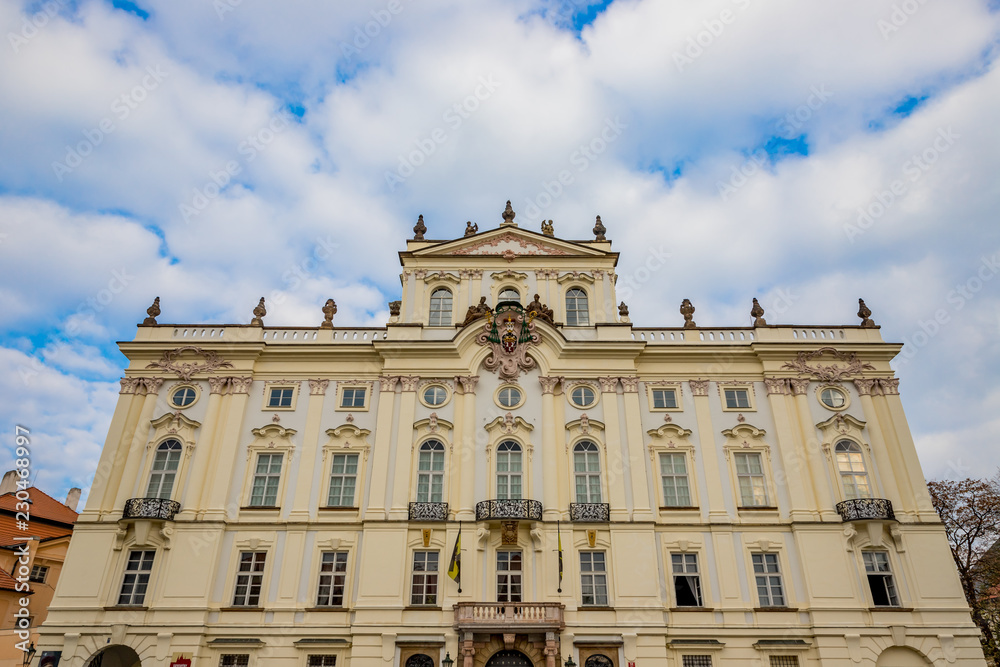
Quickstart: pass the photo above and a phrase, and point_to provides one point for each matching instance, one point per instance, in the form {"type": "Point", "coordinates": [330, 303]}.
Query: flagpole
{"type": "Point", "coordinates": [559, 540]}
{"type": "Point", "coordinates": [460, 557]}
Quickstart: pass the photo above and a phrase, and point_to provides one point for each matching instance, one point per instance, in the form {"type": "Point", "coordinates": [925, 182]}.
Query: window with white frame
{"type": "Point", "coordinates": [696, 661]}
{"type": "Point", "coordinates": [664, 398]}
{"type": "Point", "coordinates": [424, 584]}
{"type": "Point", "coordinates": [430, 472]}
{"type": "Point", "coordinates": [594, 578]}
{"type": "Point", "coordinates": [234, 660]}
{"type": "Point", "coordinates": [322, 661]}
{"type": "Point", "coordinates": [853, 475]}
{"type": "Point", "coordinates": [880, 580]}
{"type": "Point", "coordinates": [587, 472]}
{"type": "Point", "coordinates": [440, 310]}
{"type": "Point", "coordinates": [509, 576]}
{"type": "Point", "coordinates": [577, 312]}
{"type": "Point", "coordinates": [687, 580]}
{"type": "Point", "coordinates": [767, 574]}
{"type": "Point", "coordinates": [750, 479]}
{"type": "Point", "coordinates": [332, 579]}
{"type": "Point", "coordinates": [138, 569]}
{"type": "Point", "coordinates": [266, 479]}
{"type": "Point", "coordinates": [674, 480]}
{"type": "Point", "coordinates": [737, 399]}
{"type": "Point", "coordinates": [343, 480]}
{"type": "Point", "coordinates": [509, 470]}
{"type": "Point", "coordinates": [353, 397]}
{"type": "Point", "coordinates": [280, 397]}
{"type": "Point", "coordinates": [509, 294]}
{"type": "Point", "coordinates": [249, 578]}
{"type": "Point", "coordinates": [164, 470]}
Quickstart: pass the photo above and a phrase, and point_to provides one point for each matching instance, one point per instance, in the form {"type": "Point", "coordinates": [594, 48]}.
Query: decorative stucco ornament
{"type": "Point", "coordinates": [509, 331]}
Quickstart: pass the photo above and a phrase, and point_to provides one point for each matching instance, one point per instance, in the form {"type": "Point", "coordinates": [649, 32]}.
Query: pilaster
{"type": "Point", "coordinates": [228, 445]}
{"type": "Point", "coordinates": [794, 458]}
{"type": "Point", "coordinates": [903, 440]}
{"type": "Point", "coordinates": [301, 510]}
{"type": "Point", "coordinates": [467, 446]}
{"type": "Point", "coordinates": [710, 456]}
{"type": "Point", "coordinates": [642, 510]}
{"type": "Point", "coordinates": [404, 447]}
{"type": "Point", "coordinates": [826, 502]}
{"type": "Point", "coordinates": [550, 451]}
{"type": "Point", "coordinates": [132, 457]}
{"type": "Point", "coordinates": [126, 412]}
{"type": "Point", "coordinates": [887, 474]}
{"type": "Point", "coordinates": [621, 509]}
{"type": "Point", "coordinates": [206, 452]}
{"type": "Point", "coordinates": [382, 446]}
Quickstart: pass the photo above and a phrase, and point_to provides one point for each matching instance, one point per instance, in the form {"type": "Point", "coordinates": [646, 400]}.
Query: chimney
{"type": "Point", "coordinates": [73, 498]}
{"type": "Point", "coordinates": [9, 483]}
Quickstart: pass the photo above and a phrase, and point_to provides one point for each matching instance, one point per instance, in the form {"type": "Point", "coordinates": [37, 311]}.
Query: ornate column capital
{"type": "Point", "coordinates": [217, 385]}
{"type": "Point", "coordinates": [698, 387]}
{"type": "Point", "coordinates": [777, 386]}
{"type": "Point", "coordinates": [890, 386]}
{"type": "Point", "coordinates": [129, 385]}
{"type": "Point", "coordinates": [799, 386]}
{"type": "Point", "coordinates": [549, 383]}
{"type": "Point", "coordinates": [388, 382]}
{"type": "Point", "coordinates": [318, 387]}
{"type": "Point", "coordinates": [468, 383]}
{"type": "Point", "coordinates": [609, 385]}
{"type": "Point", "coordinates": [240, 385]}
{"type": "Point", "coordinates": [865, 386]}
{"type": "Point", "coordinates": [152, 385]}
{"type": "Point", "coordinates": [630, 385]}
{"type": "Point", "coordinates": [409, 382]}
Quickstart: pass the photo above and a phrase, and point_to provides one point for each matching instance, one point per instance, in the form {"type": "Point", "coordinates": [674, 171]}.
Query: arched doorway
{"type": "Point", "coordinates": [115, 656]}
{"type": "Point", "coordinates": [900, 656]}
{"type": "Point", "coordinates": [420, 660]}
{"type": "Point", "coordinates": [509, 659]}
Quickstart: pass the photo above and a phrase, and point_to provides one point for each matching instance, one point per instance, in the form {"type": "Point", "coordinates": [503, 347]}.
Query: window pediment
{"type": "Point", "coordinates": [176, 425]}
{"type": "Point", "coordinates": [349, 437]}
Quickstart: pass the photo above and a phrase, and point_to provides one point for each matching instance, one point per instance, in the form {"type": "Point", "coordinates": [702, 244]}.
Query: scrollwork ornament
{"type": "Point", "coordinates": [509, 360]}
{"type": "Point", "coordinates": [184, 370]}
{"type": "Point", "coordinates": [831, 372]}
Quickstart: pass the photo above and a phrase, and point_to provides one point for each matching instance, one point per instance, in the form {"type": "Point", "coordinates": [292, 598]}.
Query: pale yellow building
{"type": "Point", "coordinates": [293, 496]}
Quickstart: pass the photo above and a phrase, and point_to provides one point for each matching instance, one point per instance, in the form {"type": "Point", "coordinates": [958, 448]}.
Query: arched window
{"type": "Point", "coordinates": [165, 463]}
{"type": "Point", "coordinates": [587, 469]}
{"type": "Point", "coordinates": [853, 475]}
{"type": "Point", "coordinates": [598, 661]}
{"type": "Point", "coordinates": [509, 470]}
{"type": "Point", "coordinates": [577, 313]}
{"type": "Point", "coordinates": [419, 660]}
{"type": "Point", "coordinates": [430, 472]}
{"type": "Point", "coordinates": [509, 294]}
{"type": "Point", "coordinates": [440, 311]}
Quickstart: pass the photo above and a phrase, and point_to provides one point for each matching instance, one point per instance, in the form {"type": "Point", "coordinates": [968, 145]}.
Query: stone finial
{"type": "Point", "coordinates": [757, 312]}
{"type": "Point", "coordinates": [508, 215]}
{"type": "Point", "coordinates": [866, 315]}
{"type": "Point", "coordinates": [419, 229]}
{"type": "Point", "coordinates": [471, 229]}
{"type": "Point", "coordinates": [622, 309]}
{"type": "Point", "coordinates": [599, 230]}
{"type": "Point", "coordinates": [687, 310]}
{"type": "Point", "coordinates": [395, 307]}
{"type": "Point", "coordinates": [154, 311]}
{"type": "Point", "coordinates": [329, 310]}
{"type": "Point", "coordinates": [258, 313]}
{"type": "Point", "coordinates": [547, 228]}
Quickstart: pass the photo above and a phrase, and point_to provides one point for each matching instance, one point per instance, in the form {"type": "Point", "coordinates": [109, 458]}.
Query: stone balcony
{"type": "Point", "coordinates": [509, 617]}
{"type": "Point", "coordinates": [866, 509]}
{"type": "Point", "coordinates": [515, 510]}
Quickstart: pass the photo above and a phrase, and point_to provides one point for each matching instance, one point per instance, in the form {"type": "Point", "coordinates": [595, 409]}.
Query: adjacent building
{"type": "Point", "coordinates": [509, 473]}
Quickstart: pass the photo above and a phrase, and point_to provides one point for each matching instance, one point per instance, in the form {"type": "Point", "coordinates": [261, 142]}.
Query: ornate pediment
{"type": "Point", "coordinates": [181, 361]}
{"type": "Point", "coordinates": [509, 243]}
{"type": "Point", "coordinates": [830, 372]}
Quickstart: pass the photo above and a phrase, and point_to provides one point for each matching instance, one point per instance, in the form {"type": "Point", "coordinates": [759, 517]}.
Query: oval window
{"type": "Point", "coordinates": [509, 397]}
{"type": "Point", "coordinates": [183, 397]}
{"type": "Point", "coordinates": [583, 397]}
{"type": "Point", "coordinates": [833, 398]}
{"type": "Point", "coordinates": [435, 395]}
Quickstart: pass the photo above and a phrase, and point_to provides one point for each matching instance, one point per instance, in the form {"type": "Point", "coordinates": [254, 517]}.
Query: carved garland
{"type": "Point", "coordinates": [169, 362]}
{"type": "Point", "coordinates": [832, 372]}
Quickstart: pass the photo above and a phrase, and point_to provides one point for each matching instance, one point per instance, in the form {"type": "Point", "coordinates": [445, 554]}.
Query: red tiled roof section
{"type": "Point", "coordinates": [7, 582]}
{"type": "Point", "coordinates": [43, 506]}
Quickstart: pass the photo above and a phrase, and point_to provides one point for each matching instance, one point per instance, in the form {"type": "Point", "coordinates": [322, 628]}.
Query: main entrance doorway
{"type": "Point", "coordinates": [509, 659]}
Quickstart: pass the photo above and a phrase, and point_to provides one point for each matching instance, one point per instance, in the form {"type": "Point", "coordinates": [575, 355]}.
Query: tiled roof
{"type": "Point", "coordinates": [56, 519]}
{"type": "Point", "coordinates": [43, 506]}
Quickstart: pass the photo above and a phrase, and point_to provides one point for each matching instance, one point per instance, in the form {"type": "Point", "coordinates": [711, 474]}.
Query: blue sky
{"type": "Point", "coordinates": [212, 152]}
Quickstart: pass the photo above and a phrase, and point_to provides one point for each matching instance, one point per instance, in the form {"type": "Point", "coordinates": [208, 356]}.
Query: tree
{"type": "Point", "coordinates": [970, 511]}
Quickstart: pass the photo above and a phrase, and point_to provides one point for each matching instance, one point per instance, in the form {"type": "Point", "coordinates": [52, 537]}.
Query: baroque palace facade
{"type": "Point", "coordinates": [492, 481]}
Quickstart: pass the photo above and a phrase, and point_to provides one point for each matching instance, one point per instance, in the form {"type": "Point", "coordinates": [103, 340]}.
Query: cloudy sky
{"type": "Point", "coordinates": [213, 151]}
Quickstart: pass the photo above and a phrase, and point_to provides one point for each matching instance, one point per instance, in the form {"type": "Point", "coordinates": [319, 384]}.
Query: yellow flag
{"type": "Point", "coordinates": [455, 569]}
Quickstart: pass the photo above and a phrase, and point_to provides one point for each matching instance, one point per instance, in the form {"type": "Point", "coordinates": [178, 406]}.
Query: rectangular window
{"type": "Point", "coordinates": [234, 660]}
{"type": "Point", "coordinates": [784, 661]}
{"type": "Point", "coordinates": [249, 579]}
{"type": "Point", "coordinates": [664, 399]}
{"type": "Point", "coordinates": [38, 573]}
{"type": "Point", "coordinates": [769, 588]}
{"type": "Point", "coordinates": [266, 478]}
{"type": "Point", "coordinates": [423, 590]}
{"type": "Point", "coordinates": [750, 476]}
{"type": "Point", "coordinates": [880, 578]}
{"type": "Point", "coordinates": [687, 580]}
{"type": "Point", "coordinates": [332, 578]}
{"type": "Point", "coordinates": [280, 397]}
{"type": "Point", "coordinates": [353, 398]}
{"type": "Point", "coordinates": [673, 474]}
{"type": "Point", "coordinates": [737, 399]}
{"type": "Point", "coordinates": [508, 576]}
{"type": "Point", "coordinates": [137, 570]}
{"type": "Point", "coordinates": [696, 661]}
{"type": "Point", "coordinates": [594, 578]}
{"type": "Point", "coordinates": [322, 661]}
{"type": "Point", "coordinates": [343, 479]}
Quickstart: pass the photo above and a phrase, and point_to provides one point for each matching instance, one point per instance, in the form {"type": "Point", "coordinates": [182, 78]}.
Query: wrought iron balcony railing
{"type": "Point", "coordinates": [530, 510]}
{"type": "Point", "coordinates": [866, 509]}
{"type": "Point", "coordinates": [590, 512]}
{"type": "Point", "coordinates": [151, 508]}
{"type": "Point", "coordinates": [509, 616]}
{"type": "Point", "coordinates": [428, 511]}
